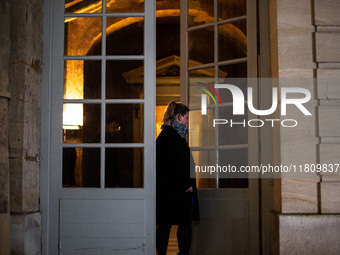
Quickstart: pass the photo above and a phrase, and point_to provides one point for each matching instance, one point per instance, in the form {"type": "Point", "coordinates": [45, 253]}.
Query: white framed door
{"type": "Point", "coordinates": [219, 40]}
{"type": "Point", "coordinates": [90, 214]}
{"type": "Point", "coordinates": [98, 178]}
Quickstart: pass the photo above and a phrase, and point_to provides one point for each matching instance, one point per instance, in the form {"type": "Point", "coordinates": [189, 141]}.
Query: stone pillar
{"type": "Point", "coordinates": [327, 47]}
{"type": "Point", "coordinates": [299, 223]}
{"type": "Point", "coordinates": [5, 47]}
{"type": "Point", "coordinates": [24, 121]}
{"type": "Point", "coordinates": [296, 65]}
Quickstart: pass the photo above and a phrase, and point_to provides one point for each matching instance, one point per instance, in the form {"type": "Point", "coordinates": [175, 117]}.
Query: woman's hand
{"type": "Point", "coordinates": [189, 190]}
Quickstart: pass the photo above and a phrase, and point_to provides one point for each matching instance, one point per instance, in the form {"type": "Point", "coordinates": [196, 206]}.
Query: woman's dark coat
{"type": "Point", "coordinates": [173, 157]}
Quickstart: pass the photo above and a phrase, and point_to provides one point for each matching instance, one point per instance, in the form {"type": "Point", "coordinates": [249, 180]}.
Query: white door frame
{"type": "Point", "coordinates": [252, 193]}
{"type": "Point", "coordinates": [52, 53]}
{"type": "Point", "coordinates": [51, 128]}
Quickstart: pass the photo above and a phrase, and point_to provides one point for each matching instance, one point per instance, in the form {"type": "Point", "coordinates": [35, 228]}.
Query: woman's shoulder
{"type": "Point", "coordinates": [167, 131]}
{"type": "Point", "coordinates": [170, 135]}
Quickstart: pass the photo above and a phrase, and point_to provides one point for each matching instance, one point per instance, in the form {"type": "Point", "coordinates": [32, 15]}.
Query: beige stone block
{"type": "Point", "coordinates": [308, 234]}
{"type": "Point", "coordinates": [16, 135]}
{"type": "Point", "coordinates": [328, 73]}
{"type": "Point", "coordinates": [30, 186]}
{"type": "Point", "coordinates": [299, 195]}
{"type": "Point", "coordinates": [330, 179]}
{"type": "Point", "coordinates": [24, 179]}
{"type": "Point", "coordinates": [330, 154]}
{"type": "Point", "coordinates": [330, 158]}
{"type": "Point", "coordinates": [5, 233]}
{"type": "Point", "coordinates": [26, 17]}
{"type": "Point", "coordinates": [299, 143]}
{"type": "Point", "coordinates": [328, 84]}
{"type": "Point", "coordinates": [329, 65]}
{"type": "Point", "coordinates": [306, 123]}
{"type": "Point", "coordinates": [16, 178]}
{"type": "Point", "coordinates": [298, 148]}
{"type": "Point", "coordinates": [330, 140]}
{"type": "Point", "coordinates": [327, 46]}
{"type": "Point", "coordinates": [26, 234]}
{"type": "Point", "coordinates": [296, 73]}
{"type": "Point", "coordinates": [327, 12]}
{"type": "Point", "coordinates": [330, 199]}
{"type": "Point", "coordinates": [329, 102]}
{"type": "Point", "coordinates": [294, 14]}
{"type": "Point", "coordinates": [329, 121]}
{"type": "Point", "coordinates": [299, 82]}
{"type": "Point", "coordinates": [295, 49]}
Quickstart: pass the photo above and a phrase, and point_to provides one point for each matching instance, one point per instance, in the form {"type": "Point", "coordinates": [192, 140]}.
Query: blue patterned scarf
{"type": "Point", "coordinates": [179, 127]}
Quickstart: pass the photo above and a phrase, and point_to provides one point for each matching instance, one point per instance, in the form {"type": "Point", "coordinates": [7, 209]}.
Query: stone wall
{"type": "Point", "coordinates": [5, 45]}
{"type": "Point", "coordinates": [305, 45]}
{"type": "Point", "coordinates": [327, 57]}
{"type": "Point", "coordinates": [24, 123]}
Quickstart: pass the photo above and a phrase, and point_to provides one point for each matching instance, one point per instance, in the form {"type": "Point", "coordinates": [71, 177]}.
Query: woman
{"type": "Point", "coordinates": [176, 192]}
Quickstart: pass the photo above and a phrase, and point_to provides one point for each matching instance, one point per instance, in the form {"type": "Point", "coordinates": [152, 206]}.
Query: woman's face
{"type": "Point", "coordinates": [184, 119]}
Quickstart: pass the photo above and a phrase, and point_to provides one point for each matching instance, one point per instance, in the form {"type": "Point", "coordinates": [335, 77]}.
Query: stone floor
{"type": "Point", "coordinates": [172, 245]}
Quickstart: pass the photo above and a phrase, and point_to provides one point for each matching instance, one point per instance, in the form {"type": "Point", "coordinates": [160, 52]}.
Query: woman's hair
{"type": "Point", "coordinates": [174, 109]}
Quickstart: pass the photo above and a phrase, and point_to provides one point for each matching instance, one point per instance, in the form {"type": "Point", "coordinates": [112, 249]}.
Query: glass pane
{"type": "Point", "coordinates": [81, 167]}
{"type": "Point", "coordinates": [200, 12]}
{"type": "Point", "coordinates": [240, 183]}
{"type": "Point", "coordinates": [200, 127]}
{"type": "Point", "coordinates": [235, 158]}
{"type": "Point", "coordinates": [167, 5]}
{"type": "Point", "coordinates": [92, 79]}
{"type": "Point", "coordinates": [73, 121]}
{"type": "Point", "coordinates": [124, 123]}
{"type": "Point", "coordinates": [81, 123]}
{"type": "Point", "coordinates": [91, 167]}
{"type": "Point", "coordinates": [167, 90]}
{"type": "Point", "coordinates": [232, 40]}
{"type": "Point", "coordinates": [202, 74]}
{"type": "Point", "coordinates": [124, 6]}
{"type": "Point", "coordinates": [234, 128]}
{"type": "Point", "coordinates": [124, 167]}
{"type": "Point", "coordinates": [206, 183]}
{"type": "Point", "coordinates": [125, 79]}
{"type": "Point", "coordinates": [82, 79]}
{"type": "Point", "coordinates": [81, 34]}
{"type": "Point", "coordinates": [197, 86]}
{"type": "Point", "coordinates": [231, 9]}
{"type": "Point", "coordinates": [125, 36]}
{"type": "Point", "coordinates": [230, 161]}
{"type": "Point", "coordinates": [69, 167]}
{"type": "Point", "coordinates": [234, 71]}
{"type": "Point", "coordinates": [226, 95]}
{"type": "Point", "coordinates": [203, 159]}
{"type": "Point", "coordinates": [201, 46]}
{"type": "Point", "coordinates": [83, 6]}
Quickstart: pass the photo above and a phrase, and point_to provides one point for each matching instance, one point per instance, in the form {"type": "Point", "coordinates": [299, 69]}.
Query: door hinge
{"type": "Point", "coordinates": [59, 244]}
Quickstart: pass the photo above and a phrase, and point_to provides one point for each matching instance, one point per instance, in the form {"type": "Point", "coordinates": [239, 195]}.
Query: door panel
{"type": "Point", "coordinates": [218, 41]}
{"type": "Point", "coordinates": [100, 187]}
{"type": "Point", "coordinates": [224, 224]}
{"type": "Point", "coordinates": [101, 226]}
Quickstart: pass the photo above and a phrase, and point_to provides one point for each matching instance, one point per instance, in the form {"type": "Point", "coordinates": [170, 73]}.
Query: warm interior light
{"type": "Point", "coordinates": [72, 116]}
{"type": "Point", "coordinates": [73, 89]}
{"type": "Point", "coordinates": [160, 109]}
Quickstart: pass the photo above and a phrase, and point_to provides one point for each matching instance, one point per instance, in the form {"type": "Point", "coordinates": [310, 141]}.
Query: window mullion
{"type": "Point", "coordinates": [103, 96]}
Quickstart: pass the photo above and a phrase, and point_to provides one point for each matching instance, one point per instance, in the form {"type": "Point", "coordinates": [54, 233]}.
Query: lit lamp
{"type": "Point", "coordinates": [72, 116]}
